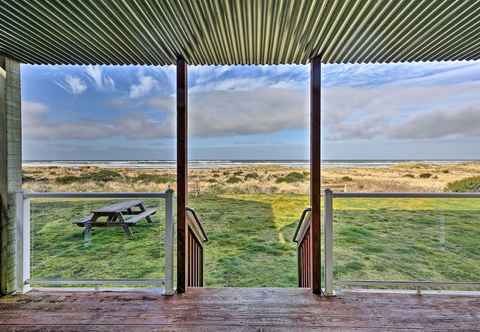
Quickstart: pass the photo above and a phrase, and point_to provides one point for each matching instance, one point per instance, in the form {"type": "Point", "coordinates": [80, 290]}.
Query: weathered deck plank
{"type": "Point", "coordinates": [235, 309]}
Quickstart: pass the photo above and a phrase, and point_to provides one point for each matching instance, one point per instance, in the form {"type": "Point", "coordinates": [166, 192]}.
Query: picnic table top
{"type": "Point", "coordinates": [118, 207]}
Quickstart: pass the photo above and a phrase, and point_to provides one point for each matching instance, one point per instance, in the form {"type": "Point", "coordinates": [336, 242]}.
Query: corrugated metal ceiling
{"type": "Point", "coordinates": [225, 32]}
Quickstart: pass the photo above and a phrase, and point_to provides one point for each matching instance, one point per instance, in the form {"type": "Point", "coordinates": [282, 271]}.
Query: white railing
{"type": "Point", "coordinates": [23, 201]}
{"type": "Point", "coordinates": [329, 240]}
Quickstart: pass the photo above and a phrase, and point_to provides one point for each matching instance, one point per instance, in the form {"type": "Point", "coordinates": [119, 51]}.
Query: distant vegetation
{"type": "Point", "coordinates": [347, 179]}
{"type": "Point", "coordinates": [291, 177]}
{"type": "Point", "coordinates": [102, 175]}
{"type": "Point", "coordinates": [471, 184]}
{"type": "Point", "coordinates": [251, 176]}
{"type": "Point", "coordinates": [155, 178]}
{"type": "Point", "coordinates": [234, 179]}
{"type": "Point", "coordinates": [425, 176]}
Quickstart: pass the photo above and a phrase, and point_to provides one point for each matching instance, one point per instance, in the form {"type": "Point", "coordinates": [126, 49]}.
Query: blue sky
{"type": "Point", "coordinates": [396, 111]}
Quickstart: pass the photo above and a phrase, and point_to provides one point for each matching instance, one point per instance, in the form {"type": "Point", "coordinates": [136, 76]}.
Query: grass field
{"type": "Point", "coordinates": [250, 240]}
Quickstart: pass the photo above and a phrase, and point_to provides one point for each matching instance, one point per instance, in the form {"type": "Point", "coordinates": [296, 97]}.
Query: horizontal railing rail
{"type": "Point", "coordinates": [298, 234]}
{"type": "Point", "coordinates": [100, 282]}
{"type": "Point", "coordinates": [199, 223]}
{"type": "Point", "coordinates": [328, 232]}
{"type": "Point", "coordinates": [28, 194]}
{"type": "Point", "coordinates": [23, 201]}
{"type": "Point", "coordinates": [405, 194]}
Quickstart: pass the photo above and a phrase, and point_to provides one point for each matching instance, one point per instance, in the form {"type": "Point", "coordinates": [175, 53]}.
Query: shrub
{"type": "Point", "coordinates": [27, 178]}
{"type": "Point", "coordinates": [470, 184]}
{"type": "Point", "coordinates": [347, 178]}
{"type": "Point", "coordinates": [425, 175]}
{"type": "Point", "coordinates": [446, 171]}
{"type": "Point", "coordinates": [408, 176]}
{"type": "Point", "coordinates": [291, 178]}
{"type": "Point", "coordinates": [234, 179]}
{"type": "Point", "coordinates": [237, 173]}
{"type": "Point", "coordinates": [153, 178]}
{"type": "Point", "coordinates": [67, 179]}
{"type": "Point", "coordinates": [103, 175]}
{"type": "Point", "coordinates": [251, 176]}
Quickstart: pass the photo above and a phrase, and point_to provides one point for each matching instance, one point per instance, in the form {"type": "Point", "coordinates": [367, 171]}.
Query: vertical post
{"type": "Point", "coordinates": [169, 238]}
{"type": "Point", "coordinates": [23, 243]}
{"type": "Point", "coordinates": [3, 178]}
{"type": "Point", "coordinates": [315, 169]}
{"type": "Point", "coordinates": [10, 169]}
{"type": "Point", "coordinates": [182, 173]}
{"type": "Point", "coordinates": [328, 231]}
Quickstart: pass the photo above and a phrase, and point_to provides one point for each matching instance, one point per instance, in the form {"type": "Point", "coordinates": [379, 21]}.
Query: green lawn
{"type": "Point", "coordinates": [250, 240]}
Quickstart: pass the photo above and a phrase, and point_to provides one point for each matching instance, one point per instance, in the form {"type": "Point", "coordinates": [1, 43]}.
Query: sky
{"type": "Point", "coordinates": [376, 111]}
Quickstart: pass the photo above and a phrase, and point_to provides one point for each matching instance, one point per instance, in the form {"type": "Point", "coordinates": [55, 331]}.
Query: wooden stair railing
{"type": "Point", "coordinates": [304, 249]}
{"type": "Point", "coordinates": [196, 237]}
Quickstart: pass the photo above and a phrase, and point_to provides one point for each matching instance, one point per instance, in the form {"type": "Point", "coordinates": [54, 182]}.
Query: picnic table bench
{"type": "Point", "coordinates": [123, 214]}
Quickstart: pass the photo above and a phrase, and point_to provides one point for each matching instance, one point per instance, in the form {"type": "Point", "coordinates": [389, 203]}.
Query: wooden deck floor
{"type": "Point", "coordinates": [233, 309]}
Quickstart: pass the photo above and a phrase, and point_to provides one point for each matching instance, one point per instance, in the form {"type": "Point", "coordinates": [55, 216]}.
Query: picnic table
{"type": "Point", "coordinates": [123, 214]}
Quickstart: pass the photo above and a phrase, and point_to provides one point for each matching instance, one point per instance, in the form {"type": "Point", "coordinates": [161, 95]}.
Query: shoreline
{"type": "Point", "coordinates": [212, 164]}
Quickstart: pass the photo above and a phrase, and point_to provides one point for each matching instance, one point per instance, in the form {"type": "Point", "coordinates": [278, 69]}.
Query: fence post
{"type": "Point", "coordinates": [169, 239]}
{"type": "Point", "coordinates": [23, 242]}
{"type": "Point", "coordinates": [328, 229]}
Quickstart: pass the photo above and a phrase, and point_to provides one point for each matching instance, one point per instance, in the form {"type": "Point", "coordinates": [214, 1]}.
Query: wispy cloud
{"type": "Point", "coordinates": [73, 84]}
{"type": "Point", "coordinates": [101, 81]}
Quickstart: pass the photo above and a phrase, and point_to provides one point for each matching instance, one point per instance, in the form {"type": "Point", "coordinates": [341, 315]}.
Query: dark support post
{"type": "Point", "coordinates": [315, 169]}
{"type": "Point", "coordinates": [3, 177]}
{"type": "Point", "coordinates": [182, 173]}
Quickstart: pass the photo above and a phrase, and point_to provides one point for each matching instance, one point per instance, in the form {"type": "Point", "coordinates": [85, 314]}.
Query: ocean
{"type": "Point", "coordinates": [206, 164]}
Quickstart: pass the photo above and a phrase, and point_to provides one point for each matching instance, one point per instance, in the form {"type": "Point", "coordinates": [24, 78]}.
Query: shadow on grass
{"type": "Point", "coordinates": [246, 248]}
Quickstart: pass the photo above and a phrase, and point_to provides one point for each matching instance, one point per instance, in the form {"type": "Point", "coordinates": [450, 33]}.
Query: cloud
{"type": "Point", "coordinates": [265, 110]}
{"type": "Point", "coordinates": [240, 112]}
{"type": "Point", "coordinates": [439, 124]}
{"type": "Point", "coordinates": [73, 84]}
{"type": "Point", "coordinates": [400, 111]}
{"type": "Point", "coordinates": [234, 106]}
{"type": "Point", "coordinates": [39, 126]}
{"type": "Point", "coordinates": [30, 107]}
{"type": "Point", "coordinates": [144, 87]}
{"type": "Point", "coordinates": [209, 78]}
{"type": "Point", "coordinates": [101, 81]}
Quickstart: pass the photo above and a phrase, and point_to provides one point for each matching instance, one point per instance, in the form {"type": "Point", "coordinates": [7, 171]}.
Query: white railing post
{"type": "Point", "coordinates": [23, 242]}
{"type": "Point", "coordinates": [169, 241]}
{"type": "Point", "coordinates": [328, 231]}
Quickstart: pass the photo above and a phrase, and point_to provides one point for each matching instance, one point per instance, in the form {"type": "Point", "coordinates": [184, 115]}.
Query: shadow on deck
{"type": "Point", "coordinates": [231, 309]}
